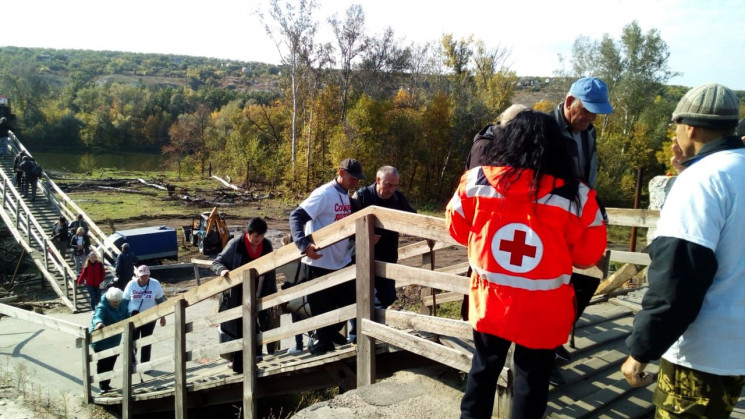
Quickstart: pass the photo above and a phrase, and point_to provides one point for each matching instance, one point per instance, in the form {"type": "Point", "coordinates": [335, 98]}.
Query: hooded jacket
{"type": "Point", "coordinates": [521, 248]}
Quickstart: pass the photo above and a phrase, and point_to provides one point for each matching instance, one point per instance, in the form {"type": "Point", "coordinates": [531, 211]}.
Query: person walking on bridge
{"type": "Point", "coordinates": [109, 310]}
{"type": "Point", "coordinates": [81, 245]}
{"type": "Point", "coordinates": [326, 204]}
{"type": "Point", "coordinates": [92, 276]}
{"type": "Point", "coordinates": [125, 266]}
{"type": "Point", "coordinates": [526, 219]}
{"type": "Point", "coordinates": [4, 128]}
{"type": "Point", "coordinates": [693, 314]}
{"type": "Point", "coordinates": [140, 294]}
{"type": "Point", "coordinates": [16, 168]}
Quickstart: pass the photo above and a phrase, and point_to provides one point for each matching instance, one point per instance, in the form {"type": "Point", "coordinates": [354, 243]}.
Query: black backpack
{"type": "Point", "coordinates": [36, 169]}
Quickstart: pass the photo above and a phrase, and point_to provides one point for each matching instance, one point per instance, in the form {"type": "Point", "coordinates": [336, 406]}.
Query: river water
{"type": "Point", "coordinates": [88, 161]}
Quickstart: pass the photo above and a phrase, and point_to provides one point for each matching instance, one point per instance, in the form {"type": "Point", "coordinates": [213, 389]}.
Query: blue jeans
{"type": "Point", "coordinates": [4, 146]}
{"type": "Point", "coordinates": [95, 294]}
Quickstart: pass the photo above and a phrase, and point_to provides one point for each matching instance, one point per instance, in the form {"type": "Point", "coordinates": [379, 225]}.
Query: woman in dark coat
{"type": "Point", "coordinates": [239, 251]}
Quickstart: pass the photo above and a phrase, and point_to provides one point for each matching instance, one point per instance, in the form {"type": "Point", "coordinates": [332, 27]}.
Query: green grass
{"type": "Point", "coordinates": [104, 205]}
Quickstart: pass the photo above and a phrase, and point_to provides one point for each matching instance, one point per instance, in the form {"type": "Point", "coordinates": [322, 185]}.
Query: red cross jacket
{"type": "Point", "coordinates": [521, 251]}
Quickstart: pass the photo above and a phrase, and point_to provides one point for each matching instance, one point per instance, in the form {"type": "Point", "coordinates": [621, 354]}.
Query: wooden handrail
{"type": "Point", "coordinates": [46, 321]}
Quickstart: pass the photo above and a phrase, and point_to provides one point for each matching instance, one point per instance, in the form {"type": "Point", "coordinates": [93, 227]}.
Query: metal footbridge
{"type": "Point", "coordinates": [30, 223]}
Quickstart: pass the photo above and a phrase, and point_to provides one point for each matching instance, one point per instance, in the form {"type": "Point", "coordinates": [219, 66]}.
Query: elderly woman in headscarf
{"type": "Point", "coordinates": [109, 310]}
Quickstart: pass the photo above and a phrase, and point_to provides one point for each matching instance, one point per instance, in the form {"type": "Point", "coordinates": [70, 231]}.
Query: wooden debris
{"type": "Point", "coordinates": [226, 183]}
{"type": "Point", "coordinates": [124, 190]}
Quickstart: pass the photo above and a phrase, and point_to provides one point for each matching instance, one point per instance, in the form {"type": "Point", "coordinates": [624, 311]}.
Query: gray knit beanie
{"type": "Point", "coordinates": [709, 106]}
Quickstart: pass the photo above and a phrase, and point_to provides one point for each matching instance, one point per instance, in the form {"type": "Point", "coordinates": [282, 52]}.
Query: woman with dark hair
{"type": "Point", "coordinates": [239, 251]}
{"type": "Point", "coordinates": [526, 219]}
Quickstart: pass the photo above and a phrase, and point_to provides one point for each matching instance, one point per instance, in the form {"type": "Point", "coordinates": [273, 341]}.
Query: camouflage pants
{"type": "Point", "coordinates": [686, 393]}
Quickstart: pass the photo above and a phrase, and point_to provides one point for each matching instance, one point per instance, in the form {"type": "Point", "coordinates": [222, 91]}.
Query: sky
{"type": "Point", "coordinates": [706, 39]}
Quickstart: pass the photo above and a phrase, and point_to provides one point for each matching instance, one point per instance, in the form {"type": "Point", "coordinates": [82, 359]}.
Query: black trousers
{"type": "Point", "coordinates": [105, 365]}
{"type": "Point", "coordinates": [141, 332]}
{"type": "Point", "coordinates": [532, 369]}
{"type": "Point", "coordinates": [327, 300]}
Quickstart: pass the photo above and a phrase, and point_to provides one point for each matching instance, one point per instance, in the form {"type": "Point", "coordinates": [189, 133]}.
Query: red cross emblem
{"type": "Point", "coordinates": [517, 248]}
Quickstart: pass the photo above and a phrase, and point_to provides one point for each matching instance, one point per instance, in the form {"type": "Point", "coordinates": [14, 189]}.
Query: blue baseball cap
{"type": "Point", "coordinates": [593, 93]}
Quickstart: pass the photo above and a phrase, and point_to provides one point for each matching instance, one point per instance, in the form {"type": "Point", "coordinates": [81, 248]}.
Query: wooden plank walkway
{"type": "Point", "coordinates": [206, 374]}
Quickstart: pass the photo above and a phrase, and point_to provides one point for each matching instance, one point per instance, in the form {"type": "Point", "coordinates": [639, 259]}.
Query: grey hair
{"type": "Point", "coordinates": [114, 294]}
{"type": "Point", "coordinates": [510, 113]}
{"type": "Point", "coordinates": [386, 170]}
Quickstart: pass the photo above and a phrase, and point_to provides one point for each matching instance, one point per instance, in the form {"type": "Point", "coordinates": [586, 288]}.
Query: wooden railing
{"type": "Point", "coordinates": [380, 325]}
{"type": "Point", "coordinates": [27, 230]}
{"type": "Point", "coordinates": [68, 207]}
{"type": "Point", "coordinates": [24, 222]}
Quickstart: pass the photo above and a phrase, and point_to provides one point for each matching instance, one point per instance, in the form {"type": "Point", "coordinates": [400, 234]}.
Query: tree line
{"type": "Point", "coordinates": [368, 96]}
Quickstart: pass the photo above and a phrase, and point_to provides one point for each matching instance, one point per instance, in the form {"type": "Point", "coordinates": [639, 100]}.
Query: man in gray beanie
{"type": "Point", "coordinates": [693, 316]}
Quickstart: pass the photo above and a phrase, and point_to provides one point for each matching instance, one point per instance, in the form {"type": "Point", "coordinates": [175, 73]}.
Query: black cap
{"type": "Point", "coordinates": [353, 167]}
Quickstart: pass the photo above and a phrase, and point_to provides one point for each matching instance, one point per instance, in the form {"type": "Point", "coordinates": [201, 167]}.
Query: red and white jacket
{"type": "Point", "coordinates": [522, 250]}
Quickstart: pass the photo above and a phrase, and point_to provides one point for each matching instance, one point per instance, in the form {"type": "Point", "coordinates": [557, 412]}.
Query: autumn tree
{"type": "Point", "coordinates": [350, 42]}
{"type": "Point", "coordinates": [292, 29]}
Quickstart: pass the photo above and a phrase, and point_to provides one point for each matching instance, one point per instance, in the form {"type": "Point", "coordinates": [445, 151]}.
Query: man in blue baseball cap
{"type": "Point", "coordinates": [587, 98]}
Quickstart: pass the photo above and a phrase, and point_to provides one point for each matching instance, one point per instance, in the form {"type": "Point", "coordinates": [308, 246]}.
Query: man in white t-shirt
{"type": "Point", "coordinates": [141, 294]}
{"type": "Point", "coordinates": [693, 314]}
{"type": "Point", "coordinates": [326, 204]}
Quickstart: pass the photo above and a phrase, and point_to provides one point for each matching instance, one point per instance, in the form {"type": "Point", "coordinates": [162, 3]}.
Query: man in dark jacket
{"type": "Point", "coordinates": [125, 266]}
{"type": "Point", "coordinates": [16, 168]}
{"type": "Point", "coordinates": [587, 98]}
{"type": "Point", "coordinates": [239, 251]}
{"type": "Point", "coordinates": [4, 127]}
{"type": "Point", "coordinates": [31, 173]}
{"type": "Point", "coordinates": [383, 193]}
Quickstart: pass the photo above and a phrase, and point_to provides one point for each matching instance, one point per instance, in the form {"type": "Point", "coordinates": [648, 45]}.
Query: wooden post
{"type": "Point", "coordinates": [179, 349]}
{"type": "Point", "coordinates": [365, 251]}
{"type": "Point", "coordinates": [637, 202]}
{"type": "Point", "coordinates": [426, 291]}
{"type": "Point", "coordinates": [85, 342]}
{"type": "Point", "coordinates": [249, 343]}
{"type": "Point", "coordinates": [196, 274]}
{"type": "Point", "coordinates": [127, 347]}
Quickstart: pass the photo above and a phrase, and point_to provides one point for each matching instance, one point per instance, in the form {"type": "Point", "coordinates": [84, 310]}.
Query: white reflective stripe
{"type": "Point", "coordinates": [457, 205]}
{"type": "Point", "coordinates": [598, 221]}
{"type": "Point", "coordinates": [520, 282]}
{"type": "Point", "coordinates": [473, 190]}
{"type": "Point", "coordinates": [567, 204]}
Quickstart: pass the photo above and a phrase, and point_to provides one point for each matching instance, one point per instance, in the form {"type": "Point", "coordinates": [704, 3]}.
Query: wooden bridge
{"type": "Point", "coordinates": [192, 373]}
{"type": "Point", "coordinates": [30, 223]}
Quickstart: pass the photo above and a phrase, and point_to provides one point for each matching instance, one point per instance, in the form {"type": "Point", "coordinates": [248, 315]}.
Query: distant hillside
{"type": "Point", "coordinates": [60, 67]}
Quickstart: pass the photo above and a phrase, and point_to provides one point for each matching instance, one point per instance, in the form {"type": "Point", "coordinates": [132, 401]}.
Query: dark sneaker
{"type": "Point", "coordinates": [556, 378]}
{"type": "Point", "coordinates": [105, 389]}
{"type": "Point", "coordinates": [339, 339]}
{"type": "Point", "coordinates": [321, 348]}
{"type": "Point", "coordinates": [563, 354]}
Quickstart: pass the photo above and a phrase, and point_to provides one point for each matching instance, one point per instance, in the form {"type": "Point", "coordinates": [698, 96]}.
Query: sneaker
{"type": "Point", "coordinates": [321, 348]}
{"type": "Point", "coordinates": [105, 389]}
{"type": "Point", "coordinates": [563, 354]}
{"type": "Point", "coordinates": [339, 339]}
{"type": "Point", "coordinates": [556, 378]}
{"type": "Point", "coordinates": [295, 350]}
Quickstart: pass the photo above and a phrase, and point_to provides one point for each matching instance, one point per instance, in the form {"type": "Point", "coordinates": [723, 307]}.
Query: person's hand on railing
{"type": "Point", "coordinates": [313, 252]}
{"type": "Point", "coordinates": [162, 321]}
{"type": "Point", "coordinates": [225, 273]}
{"type": "Point", "coordinates": [98, 326]}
